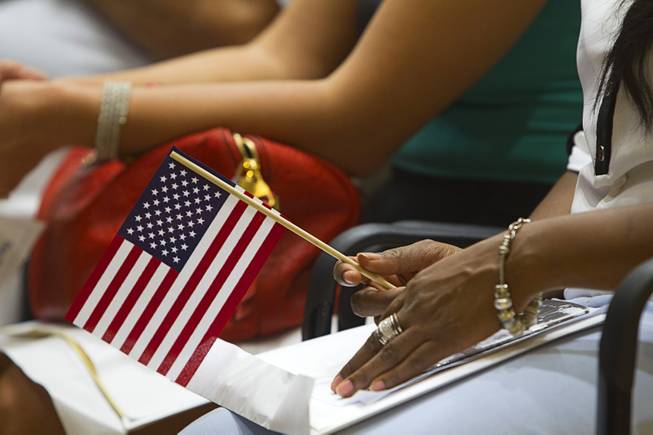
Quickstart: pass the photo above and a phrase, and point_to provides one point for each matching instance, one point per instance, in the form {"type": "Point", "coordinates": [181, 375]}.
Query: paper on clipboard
{"type": "Point", "coordinates": [322, 358]}
{"type": "Point", "coordinates": [552, 312]}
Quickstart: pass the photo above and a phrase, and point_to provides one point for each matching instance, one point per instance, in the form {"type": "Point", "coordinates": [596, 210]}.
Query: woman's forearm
{"type": "Point", "coordinates": [246, 62]}
{"type": "Point", "coordinates": [588, 250]}
{"type": "Point", "coordinates": [304, 114]}
{"type": "Point", "coordinates": [287, 110]}
{"type": "Point", "coordinates": [558, 201]}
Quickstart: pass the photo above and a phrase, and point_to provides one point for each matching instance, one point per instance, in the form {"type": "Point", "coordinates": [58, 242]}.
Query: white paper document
{"type": "Point", "coordinates": [323, 357]}
{"type": "Point", "coordinates": [17, 235]}
{"type": "Point", "coordinates": [142, 395]}
{"type": "Point", "coordinates": [16, 238]}
{"type": "Point", "coordinates": [552, 313]}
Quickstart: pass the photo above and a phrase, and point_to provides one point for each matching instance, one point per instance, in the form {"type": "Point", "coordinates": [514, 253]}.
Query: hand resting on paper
{"type": "Point", "coordinates": [445, 308]}
{"type": "Point", "coordinates": [448, 305]}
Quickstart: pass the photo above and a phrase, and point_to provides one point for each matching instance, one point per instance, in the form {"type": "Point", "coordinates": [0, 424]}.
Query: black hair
{"type": "Point", "coordinates": [627, 61]}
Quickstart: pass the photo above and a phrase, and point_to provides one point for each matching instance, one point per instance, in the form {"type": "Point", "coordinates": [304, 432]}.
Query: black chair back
{"type": "Point", "coordinates": [618, 351]}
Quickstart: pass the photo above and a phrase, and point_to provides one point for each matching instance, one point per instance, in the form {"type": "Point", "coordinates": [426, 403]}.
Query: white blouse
{"type": "Point", "coordinates": [629, 178]}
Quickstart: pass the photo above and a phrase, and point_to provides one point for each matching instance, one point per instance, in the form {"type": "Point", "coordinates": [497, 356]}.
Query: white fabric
{"type": "Point", "coordinates": [579, 157]}
{"type": "Point", "coordinates": [63, 37]}
{"type": "Point", "coordinates": [629, 180]}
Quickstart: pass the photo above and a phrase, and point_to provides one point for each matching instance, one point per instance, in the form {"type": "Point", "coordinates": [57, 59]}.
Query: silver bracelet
{"type": "Point", "coordinates": [113, 115]}
{"type": "Point", "coordinates": [514, 323]}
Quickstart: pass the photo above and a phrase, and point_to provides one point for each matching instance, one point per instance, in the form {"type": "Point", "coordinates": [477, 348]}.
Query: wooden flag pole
{"type": "Point", "coordinates": [378, 279]}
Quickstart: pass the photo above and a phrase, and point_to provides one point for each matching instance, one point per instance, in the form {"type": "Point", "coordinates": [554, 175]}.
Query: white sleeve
{"type": "Point", "coordinates": [580, 155]}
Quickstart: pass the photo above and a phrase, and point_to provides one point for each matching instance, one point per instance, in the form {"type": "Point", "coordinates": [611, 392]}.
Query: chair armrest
{"type": "Point", "coordinates": [618, 351]}
{"type": "Point", "coordinates": [371, 237]}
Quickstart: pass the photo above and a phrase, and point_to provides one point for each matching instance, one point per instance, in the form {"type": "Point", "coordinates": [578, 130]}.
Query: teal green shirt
{"type": "Point", "coordinates": [511, 125]}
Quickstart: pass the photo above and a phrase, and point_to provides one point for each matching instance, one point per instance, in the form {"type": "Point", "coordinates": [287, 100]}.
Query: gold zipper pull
{"type": "Point", "coordinates": [249, 176]}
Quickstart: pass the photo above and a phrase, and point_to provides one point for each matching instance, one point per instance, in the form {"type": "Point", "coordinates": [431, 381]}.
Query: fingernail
{"type": "Point", "coordinates": [370, 256]}
{"type": "Point", "coordinates": [345, 389]}
{"type": "Point", "coordinates": [348, 280]}
{"type": "Point", "coordinates": [377, 385]}
{"type": "Point", "coordinates": [336, 381]}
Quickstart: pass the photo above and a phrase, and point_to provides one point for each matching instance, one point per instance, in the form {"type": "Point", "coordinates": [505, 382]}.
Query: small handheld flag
{"type": "Point", "coordinates": [176, 271]}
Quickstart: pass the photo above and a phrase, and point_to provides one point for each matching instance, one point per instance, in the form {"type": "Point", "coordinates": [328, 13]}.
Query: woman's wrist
{"type": "Point", "coordinates": [80, 107]}
{"type": "Point", "coordinates": [527, 269]}
{"type": "Point", "coordinates": [65, 114]}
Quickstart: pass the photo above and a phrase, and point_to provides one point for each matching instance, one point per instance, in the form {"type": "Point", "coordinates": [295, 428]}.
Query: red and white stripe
{"type": "Point", "coordinates": [166, 319]}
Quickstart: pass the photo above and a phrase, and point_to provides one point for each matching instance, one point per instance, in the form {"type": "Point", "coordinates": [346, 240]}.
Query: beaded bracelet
{"type": "Point", "coordinates": [113, 115]}
{"type": "Point", "coordinates": [512, 322]}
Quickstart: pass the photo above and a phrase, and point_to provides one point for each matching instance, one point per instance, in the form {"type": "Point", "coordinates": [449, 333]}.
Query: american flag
{"type": "Point", "coordinates": [175, 272]}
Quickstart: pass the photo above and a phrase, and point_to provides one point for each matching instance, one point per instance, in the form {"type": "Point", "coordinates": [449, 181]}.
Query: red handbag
{"type": "Point", "coordinates": [83, 206]}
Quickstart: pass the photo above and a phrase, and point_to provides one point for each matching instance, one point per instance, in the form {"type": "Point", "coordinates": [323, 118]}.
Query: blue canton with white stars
{"type": "Point", "coordinates": [173, 213]}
